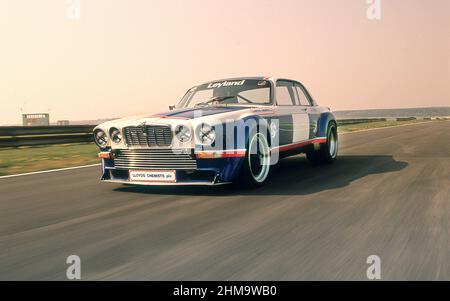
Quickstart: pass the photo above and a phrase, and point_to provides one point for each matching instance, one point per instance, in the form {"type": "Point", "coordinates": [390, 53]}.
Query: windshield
{"type": "Point", "coordinates": [235, 92]}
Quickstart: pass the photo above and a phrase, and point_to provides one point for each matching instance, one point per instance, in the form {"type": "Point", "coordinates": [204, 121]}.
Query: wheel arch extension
{"type": "Point", "coordinates": [258, 122]}
{"type": "Point", "coordinates": [324, 120]}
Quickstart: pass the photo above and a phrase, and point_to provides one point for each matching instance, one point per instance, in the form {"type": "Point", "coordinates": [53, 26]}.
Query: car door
{"type": "Point", "coordinates": [307, 104]}
{"type": "Point", "coordinates": [294, 119]}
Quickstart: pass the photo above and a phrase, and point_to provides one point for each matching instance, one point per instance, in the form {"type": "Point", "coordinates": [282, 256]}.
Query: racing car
{"type": "Point", "coordinates": [225, 131]}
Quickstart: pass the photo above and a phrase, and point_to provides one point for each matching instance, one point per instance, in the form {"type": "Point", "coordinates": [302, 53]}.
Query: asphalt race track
{"type": "Point", "coordinates": [388, 195]}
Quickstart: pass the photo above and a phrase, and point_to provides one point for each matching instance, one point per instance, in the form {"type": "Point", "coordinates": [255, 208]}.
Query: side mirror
{"type": "Point", "coordinates": [172, 107]}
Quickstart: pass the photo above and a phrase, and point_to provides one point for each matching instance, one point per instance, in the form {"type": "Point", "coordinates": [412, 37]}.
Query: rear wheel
{"type": "Point", "coordinates": [256, 167]}
{"type": "Point", "coordinates": [327, 152]}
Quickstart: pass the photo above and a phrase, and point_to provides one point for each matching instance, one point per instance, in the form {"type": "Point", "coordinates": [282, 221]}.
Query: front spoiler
{"type": "Point", "coordinates": [192, 183]}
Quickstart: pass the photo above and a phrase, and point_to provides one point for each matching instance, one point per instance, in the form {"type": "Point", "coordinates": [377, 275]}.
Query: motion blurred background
{"type": "Point", "coordinates": [130, 57]}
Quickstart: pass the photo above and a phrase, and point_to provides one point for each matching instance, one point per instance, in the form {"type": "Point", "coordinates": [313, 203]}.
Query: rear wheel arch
{"type": "Point", "coordinates": [327, 152]}
{"type": "Point", "coordinates": [323, 122]}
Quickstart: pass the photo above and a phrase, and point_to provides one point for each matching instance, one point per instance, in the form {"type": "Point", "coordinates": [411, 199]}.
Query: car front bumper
{"type": "Point", "coordinates": [191, 168]}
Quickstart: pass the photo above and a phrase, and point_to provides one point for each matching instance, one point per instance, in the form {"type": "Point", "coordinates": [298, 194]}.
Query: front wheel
{"type": "Point", "coordinates": [256, 167]}
{"type": "Point", "coordinates": [328, 151]}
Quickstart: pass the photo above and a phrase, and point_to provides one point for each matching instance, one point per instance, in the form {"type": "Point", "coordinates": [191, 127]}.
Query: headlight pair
{"type": "Point", "coordinates": [206, 134]}
{"type": "Point", "coordinates": [101, 138]}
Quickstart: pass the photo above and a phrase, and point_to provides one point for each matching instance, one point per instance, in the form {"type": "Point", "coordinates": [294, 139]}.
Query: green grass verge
{"type": "Point", "coordinates": [374, 125]}
{"type": "Point", "coordinates": [37, 158]}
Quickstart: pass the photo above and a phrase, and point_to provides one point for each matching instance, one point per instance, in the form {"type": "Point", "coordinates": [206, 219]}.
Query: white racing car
{"type": "Point", "coordinates": [223, 131]}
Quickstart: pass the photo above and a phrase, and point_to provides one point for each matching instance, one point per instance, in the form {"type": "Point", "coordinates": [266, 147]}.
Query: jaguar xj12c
{"type": "Point", "coordinates": [225, 131]}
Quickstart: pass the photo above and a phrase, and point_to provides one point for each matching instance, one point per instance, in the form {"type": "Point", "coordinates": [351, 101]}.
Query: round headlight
{"type": "Point", "coordinates": [100, 138]}
{"type": "Point", "coordinates": [207, 134]}
{"type": "Point", "coordinates": [183, 133]}
{"type": "Point", "coordinates": [115, 134]}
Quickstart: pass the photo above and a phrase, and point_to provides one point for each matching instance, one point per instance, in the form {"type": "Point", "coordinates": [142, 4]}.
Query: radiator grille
{"type": "Point", "coordinates": [154, 159]}
{"type": "Point", "coordinates": [148, 136]}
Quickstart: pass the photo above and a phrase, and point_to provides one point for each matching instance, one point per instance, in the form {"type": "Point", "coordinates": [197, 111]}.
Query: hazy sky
{"type": "Point", "coordinates": [128, 57]}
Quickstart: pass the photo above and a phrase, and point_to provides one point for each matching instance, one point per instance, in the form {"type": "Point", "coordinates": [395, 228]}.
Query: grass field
{"type": "Point", "coordinates": [373, 125]}
{"type": "Point", "coordinates": [29, 159]}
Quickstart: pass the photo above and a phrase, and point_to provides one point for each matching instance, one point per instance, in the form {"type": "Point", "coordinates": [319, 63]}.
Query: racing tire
{"type": "Point", "coordinates": [327, 152]}
{"type": "Point", "coordinates": [256, 166]}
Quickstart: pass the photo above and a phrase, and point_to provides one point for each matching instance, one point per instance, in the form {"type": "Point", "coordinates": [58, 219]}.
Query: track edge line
{"type": "Point", "coordinates": [48, 171]}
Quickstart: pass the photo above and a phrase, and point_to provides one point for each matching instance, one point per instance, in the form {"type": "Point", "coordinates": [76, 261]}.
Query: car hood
{"type": "Point", "coordinates": [191, 113]}
{"type": "Point", "coordinates": [211, 114]}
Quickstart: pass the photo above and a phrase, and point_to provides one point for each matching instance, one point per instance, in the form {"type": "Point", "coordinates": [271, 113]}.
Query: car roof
{"type": "Point", "coordinates": [271, 78]}
{"type": "Point", "coordinates": [238, 78]}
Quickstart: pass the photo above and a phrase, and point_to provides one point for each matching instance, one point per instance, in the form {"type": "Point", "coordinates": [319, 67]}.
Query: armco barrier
{"type": "Point", "coordinates": [357, 121]}
{"type": "Point", "coordinates": [406, 118]}
{"type": "Point", "coordinates": [14, 136]}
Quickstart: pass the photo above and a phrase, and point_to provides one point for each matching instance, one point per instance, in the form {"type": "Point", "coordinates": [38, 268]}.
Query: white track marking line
{"type": "Point", "coordinates": [48, 171]}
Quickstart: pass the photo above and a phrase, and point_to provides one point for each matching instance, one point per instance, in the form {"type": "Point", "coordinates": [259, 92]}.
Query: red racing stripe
{"type": "Point", "coordinates": [300, 144]}
{"type": "Point", "coordinates": [220, 154]}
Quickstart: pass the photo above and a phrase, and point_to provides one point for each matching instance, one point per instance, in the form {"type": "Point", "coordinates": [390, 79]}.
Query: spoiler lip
{"type": "Point", "coordinates": [192, 183]}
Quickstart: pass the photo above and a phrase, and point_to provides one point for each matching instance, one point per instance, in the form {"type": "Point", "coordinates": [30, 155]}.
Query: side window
{"type": "Point", "coordinates": [304, 101]}
{"type": "Point", "coordinates": [285, 93]}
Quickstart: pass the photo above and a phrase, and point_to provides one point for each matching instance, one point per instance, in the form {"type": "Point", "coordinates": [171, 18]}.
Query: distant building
{"type": "Point", "coordinates": [35, 119]}
{"type": "Point", "coordinates": [62, 122]}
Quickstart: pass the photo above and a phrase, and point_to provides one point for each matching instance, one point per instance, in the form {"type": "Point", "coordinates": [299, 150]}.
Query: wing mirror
{"type": "Point", "coordinates": [172, 107]}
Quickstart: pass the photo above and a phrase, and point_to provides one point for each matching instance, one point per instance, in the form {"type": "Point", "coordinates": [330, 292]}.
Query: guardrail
{"type": "Point", "coordinates": [361, 120]}
{"type": "Point", "coordinates": [368, 120]}
{"type": "Point", "coordinates": [406, 118]}
{"type": "Point", "coordinates": [14, 136]}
